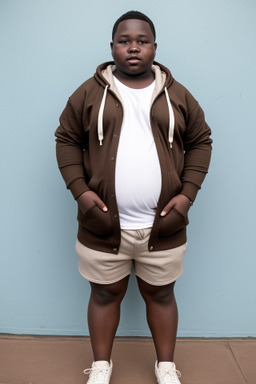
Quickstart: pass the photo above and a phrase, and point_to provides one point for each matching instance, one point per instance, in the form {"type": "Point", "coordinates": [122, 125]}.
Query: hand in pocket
{"type": "Point", "coordinates": [88, 199]}
{"type": "Point", "coordinates": [180, 202]}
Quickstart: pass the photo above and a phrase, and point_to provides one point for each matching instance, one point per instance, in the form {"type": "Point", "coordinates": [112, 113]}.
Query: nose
{"type": "Point", "coordinates": [134, 47]}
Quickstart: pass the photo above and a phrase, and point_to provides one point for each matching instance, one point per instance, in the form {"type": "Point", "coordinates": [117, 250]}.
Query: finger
{"type": "Point", "coordinates": [167, 208]}
{"type": "Point", "coordinates": [100, 204]}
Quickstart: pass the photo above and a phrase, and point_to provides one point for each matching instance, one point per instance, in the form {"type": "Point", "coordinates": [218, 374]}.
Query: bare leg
{"type": "Point", "coordinates": [104, 315]}
{"type": "Point", "coordinates": [162, 317]}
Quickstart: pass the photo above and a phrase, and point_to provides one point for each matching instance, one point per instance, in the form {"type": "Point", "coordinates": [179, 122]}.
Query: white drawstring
{"type": "Point", "coordinates": [101, 110]}
{"type": "Point", "coordinates": [100, 116]}
{"type": "Point", "coordinates": [171, 118]}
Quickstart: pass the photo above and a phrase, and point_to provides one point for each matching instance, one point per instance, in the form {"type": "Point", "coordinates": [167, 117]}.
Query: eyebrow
{"type": "Point", "coordinates": [141, 35]}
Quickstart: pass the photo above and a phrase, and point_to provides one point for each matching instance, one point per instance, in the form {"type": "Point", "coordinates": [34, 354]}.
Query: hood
{"type": "Point", "coordinates": [163, 79]}
{"type": "Point", "coordinates": [103, 69]}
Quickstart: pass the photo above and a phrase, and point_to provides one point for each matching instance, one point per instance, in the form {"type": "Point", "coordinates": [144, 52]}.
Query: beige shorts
{"type": "Point", "coordinates": [156, 268]}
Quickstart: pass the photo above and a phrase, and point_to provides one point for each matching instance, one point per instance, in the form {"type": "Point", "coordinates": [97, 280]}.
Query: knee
{"type": "Point", "coordinates": [105, 295]}
{"type": "Point", "coordinates": [161, 295]}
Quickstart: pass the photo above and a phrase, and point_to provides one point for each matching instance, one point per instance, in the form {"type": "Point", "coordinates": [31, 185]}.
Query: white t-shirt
{"type": "Point", "coordinates": [138, 172]}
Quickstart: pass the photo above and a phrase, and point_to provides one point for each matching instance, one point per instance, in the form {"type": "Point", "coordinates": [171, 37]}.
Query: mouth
{"type": "Point", "coordinates": [133, 59]}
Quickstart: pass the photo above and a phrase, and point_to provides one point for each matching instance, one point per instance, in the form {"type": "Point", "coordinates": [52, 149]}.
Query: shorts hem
{"type": "Point", "coordinates": [103, 282]}
{"type": "Point", "coordinates": [158, 284]}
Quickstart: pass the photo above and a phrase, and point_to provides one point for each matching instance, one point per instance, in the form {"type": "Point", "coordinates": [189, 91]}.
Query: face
{"type": "Point", "coordinates": [133, 48]}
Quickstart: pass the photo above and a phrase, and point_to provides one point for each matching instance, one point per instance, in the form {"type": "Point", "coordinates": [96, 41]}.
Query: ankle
{"type": "Point", "coordinates": [102, 362]}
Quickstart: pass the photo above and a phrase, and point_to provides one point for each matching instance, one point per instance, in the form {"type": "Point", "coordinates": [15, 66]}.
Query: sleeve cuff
{"type": "Point", "coordinates": [190, 190]}
{"type": "Point", "coordinates": [78, 187]}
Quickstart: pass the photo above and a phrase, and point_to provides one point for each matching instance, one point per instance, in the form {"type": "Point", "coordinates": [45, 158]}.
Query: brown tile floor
{"type": "Point", "coordinates": [61, 360]}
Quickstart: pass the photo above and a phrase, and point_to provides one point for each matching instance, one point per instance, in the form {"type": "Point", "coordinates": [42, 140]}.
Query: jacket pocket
{"type": "Point", "coordinates": [97, 221]}
{"type": "Point", "coordinates": [173, 222]}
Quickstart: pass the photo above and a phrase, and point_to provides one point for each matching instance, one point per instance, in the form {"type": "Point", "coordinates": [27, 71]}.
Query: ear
{"type": "Point", "coordinates": [155, 47]}
{"type": "Point", "coordinates": [111, 45]}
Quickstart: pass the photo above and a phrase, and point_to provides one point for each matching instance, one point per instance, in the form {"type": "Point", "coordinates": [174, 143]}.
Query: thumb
{"type": "Point", "coordinates": [100, 204]}
{"type": "Point", "coordinates": [167, 208]}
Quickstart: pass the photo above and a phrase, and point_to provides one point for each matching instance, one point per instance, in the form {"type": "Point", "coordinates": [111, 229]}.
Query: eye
{"type": "Point", "coordinates": [124, 42]}
{"type": "Point", "coordinates": [143, 42]}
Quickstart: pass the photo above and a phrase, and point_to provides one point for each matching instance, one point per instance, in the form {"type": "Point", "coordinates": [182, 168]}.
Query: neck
{"type": "Point", "coordinates": [135, 81]}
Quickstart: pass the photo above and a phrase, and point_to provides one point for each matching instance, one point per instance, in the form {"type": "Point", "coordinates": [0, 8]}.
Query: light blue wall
{"type": "Point", "coordinates": [48, 48]}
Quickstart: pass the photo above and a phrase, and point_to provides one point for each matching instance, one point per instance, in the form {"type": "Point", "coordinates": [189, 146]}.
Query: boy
{"type": "Point", "coordinates": [133, 147]}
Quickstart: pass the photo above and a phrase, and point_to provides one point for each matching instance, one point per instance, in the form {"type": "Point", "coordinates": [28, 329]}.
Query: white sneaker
{"type": "Point", "coordinates": [100, 372]}
{"type": "Point", "coordinates": [166, 373]}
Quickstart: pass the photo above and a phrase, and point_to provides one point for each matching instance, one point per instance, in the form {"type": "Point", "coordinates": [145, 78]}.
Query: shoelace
{"type": "Point", "coordinates": [169, 375]}
{"type": "Point", "coordinates": [98, 373]}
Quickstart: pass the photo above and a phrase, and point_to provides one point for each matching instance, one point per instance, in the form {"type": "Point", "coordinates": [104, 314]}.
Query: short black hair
{"type": "Point", "coordinates": [134, 15]}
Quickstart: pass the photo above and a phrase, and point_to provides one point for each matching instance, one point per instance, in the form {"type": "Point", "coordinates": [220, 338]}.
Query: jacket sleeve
{"type": "Point", "coordinates": [197, 146]}
{"type": "Point", "coordinates": [70, 143]}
